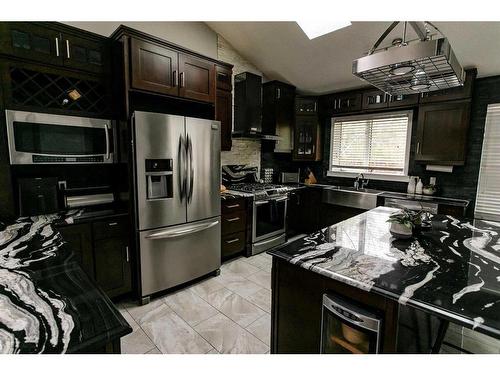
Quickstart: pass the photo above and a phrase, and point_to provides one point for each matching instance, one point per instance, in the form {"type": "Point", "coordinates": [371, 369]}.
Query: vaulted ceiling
{"type": "Point", "coordinates": [282, 51]}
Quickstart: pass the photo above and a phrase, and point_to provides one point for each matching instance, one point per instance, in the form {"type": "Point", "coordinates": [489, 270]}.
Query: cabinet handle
{"type": "Point", "coordinates": [67, 48]}
{"type": "Point", "coordinates": [315, 106]}
{"type": "Point", "coordinates": [233, 219]}
{"type": "Point", "coordinates": [126, 250]}
{"type": "Point", "coordinates": [278, 95]}
{"type": "Point", "coordinates": [348, 103]}
{"type": "Point", "coordinates": [182, 79]}
{"type": "Point", "coordinates": [57, 47]}
{"type": "Point", "coordinates": [314, 148]}
{"type": "Point", "coordinates": [233, 206]}
{"type": "Point", "coordinates": [176, 78]}
{"type": "Point", "coordinates": [113, 224]}
{"type": "Point", "coordinates": [335, 104]}
{"type": "Point", "coordinates": [418, 147]}
{"type": "Point", "coordinates": [233, 240]}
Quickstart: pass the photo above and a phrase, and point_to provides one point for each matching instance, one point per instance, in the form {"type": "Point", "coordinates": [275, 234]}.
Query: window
{"type": "Point", "coordinates": [488, 188]}
{"type": "Point", "coordinates": [377, 145]}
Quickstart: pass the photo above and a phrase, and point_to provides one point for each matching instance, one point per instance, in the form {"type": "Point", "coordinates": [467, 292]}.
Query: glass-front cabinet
{"type": "Point", "coordinates": [307, 138]}
{"type": "Point", "coordinates": [347, 328]}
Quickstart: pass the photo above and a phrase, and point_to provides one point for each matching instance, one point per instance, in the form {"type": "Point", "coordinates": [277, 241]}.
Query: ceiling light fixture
{"type": "Point", "coordinates": [317, 28]}
{"type": "Point", "coordinates": [402, 69]}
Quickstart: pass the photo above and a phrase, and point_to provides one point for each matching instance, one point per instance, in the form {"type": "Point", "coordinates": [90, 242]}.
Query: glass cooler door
{"type": "Point", "coordinates": [348, 329]}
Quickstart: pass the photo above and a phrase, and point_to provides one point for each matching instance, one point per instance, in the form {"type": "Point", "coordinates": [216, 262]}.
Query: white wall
{"type": "Point", "coordinates": [196, 36]}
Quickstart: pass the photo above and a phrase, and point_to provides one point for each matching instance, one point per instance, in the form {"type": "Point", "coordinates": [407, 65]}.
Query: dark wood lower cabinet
{"type": "Point", "coordinates": [112, 266]}
{"type": "Point", "coordinates": [102, 249]}
{"type": "Point", "coordinates": [79, 241]}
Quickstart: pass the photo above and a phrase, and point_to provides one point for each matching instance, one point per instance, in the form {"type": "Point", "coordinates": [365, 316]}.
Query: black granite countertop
{"type": "Point", "coordinates": [451, 270]}
{"type": "Point", "coordinates": [48, 303]}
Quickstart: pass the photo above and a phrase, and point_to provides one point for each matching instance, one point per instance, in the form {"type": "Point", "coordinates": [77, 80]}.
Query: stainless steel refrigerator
{"type": "Point", "coordinates": [177, 175]}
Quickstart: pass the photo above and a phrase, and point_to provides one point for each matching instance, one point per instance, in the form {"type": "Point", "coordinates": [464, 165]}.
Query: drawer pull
{"type": "Point", "coordinates": [113, 224]}
{"type": "Point", "coordinates": [233, 219]}
{"type": "Point", "coordinates": [233, 240]}
{"type": "Point", "coordinates": [126, 249]}
{"type": "Point", "coordinates": [233, 206]}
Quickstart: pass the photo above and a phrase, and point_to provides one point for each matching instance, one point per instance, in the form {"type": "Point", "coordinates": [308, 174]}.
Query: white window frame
{"type": "Point", "coordinates": [374, 176]}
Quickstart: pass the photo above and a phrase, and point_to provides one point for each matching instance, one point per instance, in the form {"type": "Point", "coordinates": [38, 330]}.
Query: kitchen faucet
{"type": "Point", "coordinates": [360, 178]}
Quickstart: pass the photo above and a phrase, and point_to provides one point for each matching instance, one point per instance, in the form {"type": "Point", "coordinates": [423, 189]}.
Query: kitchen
{"type": "Point", "coordinates": [184, 188]}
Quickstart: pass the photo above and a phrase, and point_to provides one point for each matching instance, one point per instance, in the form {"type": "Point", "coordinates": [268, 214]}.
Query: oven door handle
{"type": "Point", "coordinates": [260, 203]}
{"type": "Point", "coordinates": [106, 133]}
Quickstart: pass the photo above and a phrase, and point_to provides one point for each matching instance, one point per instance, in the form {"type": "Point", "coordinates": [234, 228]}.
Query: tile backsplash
{"type": "Point", "coordinates": [244, 151]}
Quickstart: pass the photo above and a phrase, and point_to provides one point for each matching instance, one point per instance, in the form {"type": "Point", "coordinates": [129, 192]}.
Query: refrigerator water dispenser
{"type": "Point", "coordinates": [159, 178]}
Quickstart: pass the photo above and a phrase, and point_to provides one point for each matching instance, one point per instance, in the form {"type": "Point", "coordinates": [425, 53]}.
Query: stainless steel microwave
{"type": "Point", "coordinates": [41, 138]}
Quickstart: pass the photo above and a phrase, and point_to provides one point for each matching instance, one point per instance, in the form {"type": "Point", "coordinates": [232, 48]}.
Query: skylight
{"type": "Point", "coordinates": [316, 28]}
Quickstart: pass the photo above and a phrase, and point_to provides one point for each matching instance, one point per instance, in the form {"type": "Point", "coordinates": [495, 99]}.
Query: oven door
{"type": "Point", "coordinates": [41, 138]}
{"type": "Point", "coordinates": [348, 329]}
{"type": "Point", "coordinates": [269, 218]}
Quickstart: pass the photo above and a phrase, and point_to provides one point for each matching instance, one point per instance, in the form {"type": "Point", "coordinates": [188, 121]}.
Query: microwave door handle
{"type": "Point", "coordinates": [106, 132]}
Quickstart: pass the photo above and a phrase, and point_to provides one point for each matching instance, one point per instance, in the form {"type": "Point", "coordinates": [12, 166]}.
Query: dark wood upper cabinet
{"type": "Point", "coordinates": [278, 105]}
{"type": "Point", "coordinates": [341, 103]}
{"type": "Point", "coordinates": [224, 114]}
{"type": "Point", "coordinates": [31, 41]}
{"type": "Point", "coordinates": [85, 54]}
{"type": "Point", "coordinates": [154, 68]}
{"type": "Point", "coordinates": [196, 78]}
{"type": "Point", "coordinates": [456, 93]}
{"type": "Point", "coordinates": [306, 105]}
{"type": "Point", "coordinates": [374, 99]}
{"type": "Point", "coordinates": [307, 142]}
{"type": "Point", "coordinates": [56, 44]}
{"type": "Point", "coordinates": [403, 100]}
{"type": "Point", "coordinates": [442, 133]}
{"type": "Point", "coordinates": [223, 78]}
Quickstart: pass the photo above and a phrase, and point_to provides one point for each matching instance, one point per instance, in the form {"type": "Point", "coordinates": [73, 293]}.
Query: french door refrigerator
{"type": "Point", "coordinates": [177, 175]}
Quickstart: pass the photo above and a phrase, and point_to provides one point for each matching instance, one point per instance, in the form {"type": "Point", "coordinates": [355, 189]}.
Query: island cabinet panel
{"type": "Point", "coordinates": [297, 304]}
{"type": "Point", "coordinates": [196, 78]}
{"type": "Point", "coordinates": [154, 68]}
{"type": "Point", "coordinates": [442, 133]}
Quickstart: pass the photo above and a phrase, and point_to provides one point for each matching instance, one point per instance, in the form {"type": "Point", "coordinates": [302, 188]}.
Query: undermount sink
{"type": "Point", "coordinates": [365, 199]}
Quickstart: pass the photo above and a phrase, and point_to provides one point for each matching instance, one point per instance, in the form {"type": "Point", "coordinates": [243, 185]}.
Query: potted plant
{"type": "Point", "coordinates": [404, 222]}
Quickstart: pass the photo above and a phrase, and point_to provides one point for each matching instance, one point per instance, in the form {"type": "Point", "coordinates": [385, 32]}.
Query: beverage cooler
{"type": "Point", "coordinates": [347, 328]}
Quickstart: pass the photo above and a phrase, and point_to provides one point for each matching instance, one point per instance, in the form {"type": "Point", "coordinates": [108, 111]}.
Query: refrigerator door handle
{"type": "Point", "coordinates": [181, 168]}
{"type": "Point", "coordinates": [186, 230]}
{"type": "Point", "coordinates": [191, 169]}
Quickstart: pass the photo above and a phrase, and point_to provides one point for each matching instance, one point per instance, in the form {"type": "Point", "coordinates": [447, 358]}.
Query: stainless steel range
{"type": "Point", "coordinates": [269, 214]}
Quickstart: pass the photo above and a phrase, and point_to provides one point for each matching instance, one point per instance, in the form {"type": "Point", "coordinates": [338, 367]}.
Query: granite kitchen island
{"type": "Point", "coordinates": [48, 304]}
{"type": "Point", "coordinates": [448, 273]}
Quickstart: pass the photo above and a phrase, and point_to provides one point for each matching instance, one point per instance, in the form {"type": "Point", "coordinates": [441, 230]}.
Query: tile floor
{"type": "Point", "coordinates": [229, 313]}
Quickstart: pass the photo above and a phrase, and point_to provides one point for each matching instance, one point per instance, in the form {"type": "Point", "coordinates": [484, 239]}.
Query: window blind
{"type": "Point", "coordinates": [371, 144]}
{"type": "Point", "coordinates": [488, 190]}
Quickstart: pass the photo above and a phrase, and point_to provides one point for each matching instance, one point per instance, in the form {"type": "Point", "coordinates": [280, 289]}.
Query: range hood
{"type": "Point", "coordinates": [248, 108]}
{"type": "Point", "coordinates": [411, 67]}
